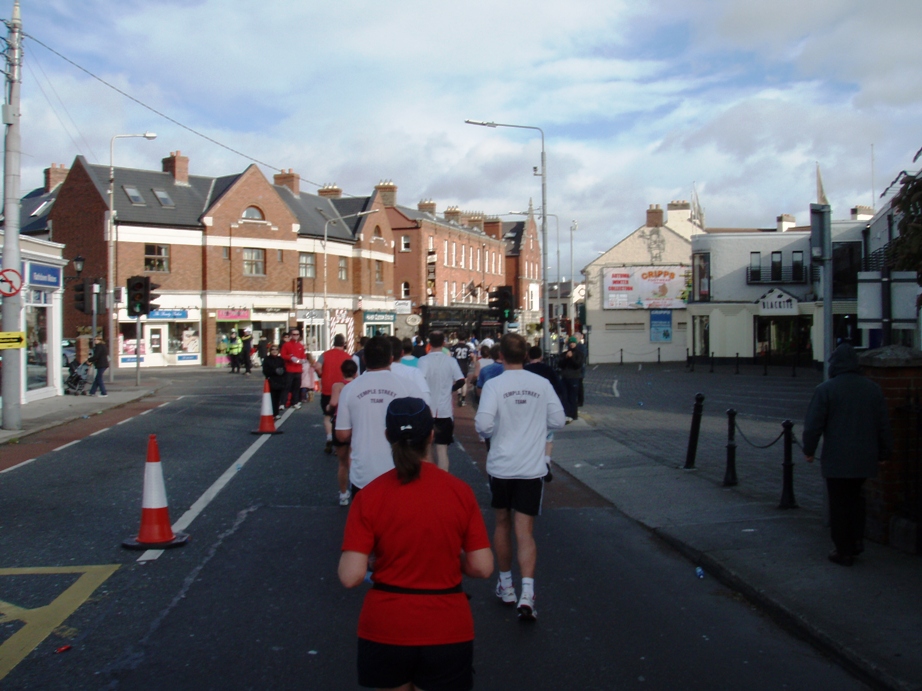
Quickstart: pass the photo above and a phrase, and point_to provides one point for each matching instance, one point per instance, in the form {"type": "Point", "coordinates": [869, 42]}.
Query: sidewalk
{"type": "Point", "coordinates": [867, 617]}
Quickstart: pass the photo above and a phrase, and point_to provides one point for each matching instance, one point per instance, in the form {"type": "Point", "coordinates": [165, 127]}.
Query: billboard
{"type": "Point", "coordinates": [644, 287]}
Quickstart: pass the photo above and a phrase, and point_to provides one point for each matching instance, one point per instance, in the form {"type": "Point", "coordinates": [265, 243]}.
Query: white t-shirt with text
{"type": "Point", "coordinates": [441, 372]}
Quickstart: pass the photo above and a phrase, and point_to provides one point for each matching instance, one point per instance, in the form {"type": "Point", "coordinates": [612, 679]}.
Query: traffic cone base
{"type": "Point", "coordinates": [266, 415]}
{"type": "Point", "coordinates": [156, 531]}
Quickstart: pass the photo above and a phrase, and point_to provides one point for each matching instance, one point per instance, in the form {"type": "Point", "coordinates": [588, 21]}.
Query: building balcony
{"type": "Point", "coordinates": [767, 275]}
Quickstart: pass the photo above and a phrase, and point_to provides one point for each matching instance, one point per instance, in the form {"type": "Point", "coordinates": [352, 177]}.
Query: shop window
{"type": "Point", "coordinates": [37, 345]}
{"type": "Point", "coordinates": [797, 266]}
{"type": "Point", "coordinates": [157, 258]}
{"type": "Point", "coordinates": [307, 265]}
{"type": "Point", "coordinates": [405, 290]}
{"type": "Point", "coordinates": [405, 243]}
{"type": "Point", "coordinates": [701, 277]}
{"type": "Point", "coordinates": [379, 271]}
{"type": "Point", "coordinates": [755, 266]}
{"type": "Point", "coordinates": [184, 338]}
{"type": "Point", "coordinates": [776, 266]}
{"type": "Point", "coordinates": [164, 198]}
{"type": "Point", "coordinates": [254, 262]}
{"type": "Point", "coordinates": [252, 213]}
{"type": "Point", "coordinates": [343, 269]}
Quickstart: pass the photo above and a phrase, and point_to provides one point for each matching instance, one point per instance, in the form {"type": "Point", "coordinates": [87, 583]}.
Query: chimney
{"type": "Point", "coordinates": [453, 214]}
{"type": "Point", "coordinates": [473, 219]}
{"type": "Point", "coordinates": [785, 222]}
{"type": "Point", "coordinates": [388, 191]}
{"type": "Point", "coordinates": [654, 216]}
{"type": "Point", "coordinates": [54, 176]}
{"type": "Point", "coordinates": [679, 210]}
{"type": "Point", "coordinates": [427, 206]}
{"type": "Point", "coordinates": [493, 227]}
{"type": "Point", "coordinates": [289, 179]}
{"type": "Point", "coordinates": [862, 213]}
{"type": "Point", "coordinates": [177, 165]}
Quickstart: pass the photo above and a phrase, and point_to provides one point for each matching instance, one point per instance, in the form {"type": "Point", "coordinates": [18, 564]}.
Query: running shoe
{"type": "Point", "coordinates": [344, 498]}
{"type": "Point", "coordinates": [526, 608]}
{"type": "Point", "coordinates": [507, 595]}
{"type": "Point", "coordinates": [297, 406]}
{"type": "Point", "coordinates": [328, 448]}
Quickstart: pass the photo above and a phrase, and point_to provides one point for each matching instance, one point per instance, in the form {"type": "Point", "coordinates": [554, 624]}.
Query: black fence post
{"type": "Point", "coordinates": [730, 475]}
{"type": "Point", "coordinates": [737, 363]}
{"type": "Point", "coordinates": [695, 430]}
{"type": "Point", "coordinates": [787, 489]}
{"type": "Point", "coordinates": [658, 361]}
{"type": "Point", "coordinates": [622, 356]}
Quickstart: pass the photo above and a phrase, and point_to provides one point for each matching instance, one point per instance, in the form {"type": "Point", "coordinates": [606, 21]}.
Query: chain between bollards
{"type": "Point", "coordinates": [695, 430]}
{"type": "Point", "coordinates": [787, 490]}
{"type": "Point", "coordinates": [730, 474]}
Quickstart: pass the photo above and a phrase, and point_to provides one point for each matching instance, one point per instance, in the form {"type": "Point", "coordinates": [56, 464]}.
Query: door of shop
{"type": "Point", "coordinates": [156, 346]}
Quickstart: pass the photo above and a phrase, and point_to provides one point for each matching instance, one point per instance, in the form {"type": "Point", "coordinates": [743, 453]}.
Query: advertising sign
{"type": "Point", "coordinates": [44, 275]}
{"type": "Point", "coordinates": [643, 287]}
{"type": "Point", "coordinates": [661, 326]}
{"type": "Point", "coordinates": [233, 315]}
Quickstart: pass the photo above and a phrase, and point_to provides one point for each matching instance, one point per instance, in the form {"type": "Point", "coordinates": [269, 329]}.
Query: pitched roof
{"type": "Point", "coordinates": [513, 233]}
{"type": "Point", "coordinates": [33, 211]}
{"type": "Point", "coordinates": [308, 207]}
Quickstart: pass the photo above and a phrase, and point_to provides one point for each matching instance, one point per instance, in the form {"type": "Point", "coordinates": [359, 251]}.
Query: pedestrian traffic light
{"type": "Point", "coordinates": [299, 290]}
{"type": "Point", "coordinates": [138, 295]}
{"type": "Point", "coordinates": [506, 304]}
{"type": "Point", "coordinates": [493, 305]}
{"type": "Point", "coordinates": [83, 292]}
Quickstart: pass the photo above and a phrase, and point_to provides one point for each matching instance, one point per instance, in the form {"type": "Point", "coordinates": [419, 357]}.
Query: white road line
{"type": "Point", "coordinates": [127, 419]}
{"type": "Point", "coordinates": [203, 501]}
{"type": "Point", "coordinates": [99, 431]}
{"type": "Point", "coordinates": [18, 465]}
{"type": "Point", "coordinates": [460, 446]}
{"type": "Point", "coordinates": [75, 441]}
{"type": "Point", "coordinates": [163, 404]}
{"type": "Point", "coordinates": [145, 412]}
{"type": "Point", "coordinates": [614, 389]}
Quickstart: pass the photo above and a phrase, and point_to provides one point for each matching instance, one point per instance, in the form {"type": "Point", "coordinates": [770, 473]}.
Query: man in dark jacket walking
{"type": "Point", "coordinates": [850, 413]}
{"type": "Point", "coordinates": [571, 371]}
{"type": "Point", "coordinates": [100, 359]}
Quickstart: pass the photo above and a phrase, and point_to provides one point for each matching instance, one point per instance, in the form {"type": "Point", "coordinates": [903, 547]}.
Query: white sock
{"type": "Point", "coordinates": [329, 437]}
{"type": "Point", "coordinates": [547, 459]}
{"type": "Point", "coordinates": [505, 579]}
{"type": "Point", "coordinates": [528, 586]}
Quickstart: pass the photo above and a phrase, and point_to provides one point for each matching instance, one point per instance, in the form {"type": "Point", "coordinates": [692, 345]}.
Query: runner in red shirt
{"type": "Point", "coordinates": [416, 626]}
{"type": "Point", "coordinates": [294, 356]}
{"type": "Point", "coordinates": [329, 367]}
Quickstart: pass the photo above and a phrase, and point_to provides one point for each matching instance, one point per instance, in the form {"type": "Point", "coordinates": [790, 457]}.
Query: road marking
{"type": "Point", "coordinates": [614, 389]}
{"type": "Point", "coordinates": [203, 501]}
{"type": "Point", "coordinates": [127, 419]}
{"type": "Point", "coordinates": [163, 404]}
{"type": "Point", "coordinates": [145, 412]}
{"type": "Point", "coordinates": [18, 465]}
{"type": "Point", "coordinates": [75, 441]}
{"type": "Point", "coordinates": [39, 622]}
{"type": "Point", "coordinates": [100, 431]}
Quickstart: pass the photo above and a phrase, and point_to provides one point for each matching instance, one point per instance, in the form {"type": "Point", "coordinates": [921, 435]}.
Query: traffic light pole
{"type": "Point", "coordinates": [137, 352]}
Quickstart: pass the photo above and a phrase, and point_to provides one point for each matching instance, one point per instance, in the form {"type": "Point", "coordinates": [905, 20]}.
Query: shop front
{"type": "Point", "coordinates": [168, 337]}
{"type": "Point", "coordinates": [228, 321]}
{"type": "Point", "coordinates": [311, 323]}
{"type": "Point", "coordinates": [378, 323]}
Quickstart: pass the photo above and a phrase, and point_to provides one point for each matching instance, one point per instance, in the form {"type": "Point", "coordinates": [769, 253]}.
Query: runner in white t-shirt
{"type": "Point", "coordinates": [362, 411]}
{"type": "Point", "coordinates": [443, 374]}
{"type": "Point", "coordinates": [517, 408]}
{"type": "Point", "coordinates": [406, 372]}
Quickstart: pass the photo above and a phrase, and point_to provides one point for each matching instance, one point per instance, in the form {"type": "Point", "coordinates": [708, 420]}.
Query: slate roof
{"type": "Point", "coordinates": [305, 207]}
{"type": "Point", "coordinates": [513, 232]}
{"type": "Point", "coordinates": [33, 211]}
{"type": "Point", "coordinates": [417, 215]}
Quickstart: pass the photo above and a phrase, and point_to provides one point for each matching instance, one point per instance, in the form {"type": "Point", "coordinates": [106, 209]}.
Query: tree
{"type": "Point", "coordinates": [907, 248]}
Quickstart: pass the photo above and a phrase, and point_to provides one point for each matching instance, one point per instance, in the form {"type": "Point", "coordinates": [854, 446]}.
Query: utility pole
{"type": "Point", "coordinates": [12, 306]}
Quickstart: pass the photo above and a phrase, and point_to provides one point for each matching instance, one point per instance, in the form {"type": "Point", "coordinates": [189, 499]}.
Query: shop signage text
{"type": "Point", "coordinates": [44, 275]}
{"type": "Point", "coordinates": [233, 315]}
{"type": "Point", "coordinates": [379, 317]}
{"type": "Point", "coordinates": [168, 314]}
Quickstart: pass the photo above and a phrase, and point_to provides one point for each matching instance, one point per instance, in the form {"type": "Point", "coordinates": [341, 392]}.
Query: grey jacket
{"type": "Point", "coordinates": [850, 413]}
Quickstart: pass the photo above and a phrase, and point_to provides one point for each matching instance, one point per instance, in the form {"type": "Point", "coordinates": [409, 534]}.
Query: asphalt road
{"type": "Point", "coordinates": [253, 602]}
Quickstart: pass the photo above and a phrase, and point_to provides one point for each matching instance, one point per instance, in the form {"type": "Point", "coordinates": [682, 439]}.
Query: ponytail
{"type": "Point", "coordinates": [408, 458]}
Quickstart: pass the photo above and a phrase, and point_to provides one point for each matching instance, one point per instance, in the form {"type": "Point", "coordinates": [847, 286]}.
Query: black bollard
{"type": "Point", "coordinates": [658, 361]}
{"type": "Point", "coordinates": [787, 489]}
{"type": "Point", "coordinates": [695, 430]}
{"type": "Point", "coordinates": [730, 475]}
{"type": "Point", "coordinates": [737, 363]}
{"type": "Point", "coordinates": [622, 356]}
{"type": "Point", "coordinates": [712, 362]}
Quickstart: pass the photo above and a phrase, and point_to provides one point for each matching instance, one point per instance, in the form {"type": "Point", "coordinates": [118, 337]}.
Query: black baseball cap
{"type": "Point", "coordinates": [409, 419]}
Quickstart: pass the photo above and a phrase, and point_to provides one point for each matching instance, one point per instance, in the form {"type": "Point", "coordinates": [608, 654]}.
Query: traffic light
{"type": "Point", "coordinates": [506, 304]}
{"type": "Point", "coordinates": [152, 297]}
{"type": "Point", "coordinates": [138, 295]}
{"type": "Point", "coordinates": [493, 305]}
{"type": "Point", "coordinates": [83, 292]}
{"type": "Point", "coordinates": [299, 290]}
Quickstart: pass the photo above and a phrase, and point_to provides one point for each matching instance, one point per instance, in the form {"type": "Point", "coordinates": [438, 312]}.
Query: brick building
{"type": "Point", "coordinates": [523, 267]}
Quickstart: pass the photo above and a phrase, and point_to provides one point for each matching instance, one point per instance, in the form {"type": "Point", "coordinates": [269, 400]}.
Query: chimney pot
{"type": "Point", "coordinates": [289, 179]}
{"type": "Point", "coordinates": [54, 176]}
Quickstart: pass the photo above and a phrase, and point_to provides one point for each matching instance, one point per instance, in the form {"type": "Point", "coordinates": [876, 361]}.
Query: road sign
{"type": "Point", "coordinates": [12, 339]}
{"type": "Point", "coordinates": [10, 282]}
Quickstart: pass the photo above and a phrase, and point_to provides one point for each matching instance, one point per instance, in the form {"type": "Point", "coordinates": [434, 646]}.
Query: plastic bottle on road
{"type": "Point", "coordinates": [699, 572]}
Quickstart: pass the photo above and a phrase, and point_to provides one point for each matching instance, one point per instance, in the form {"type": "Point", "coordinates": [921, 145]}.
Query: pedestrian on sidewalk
{"type": "Point", "coordinates": [571, 371]}
{"type": "Point", "coordinates": [850, 413]}
{"type": "Point", "coordinates": [234, 349]}
{"type": "Point", "coordinates": [443, 376]}
{"type": "Point", "coordinates": [516, 411]}
{"type": "Point", "coordinates": [415, 630]}
{"type": "Point", "coordinates": [100, 360]}
{"type": "Point", "coordinates": [246, 351]}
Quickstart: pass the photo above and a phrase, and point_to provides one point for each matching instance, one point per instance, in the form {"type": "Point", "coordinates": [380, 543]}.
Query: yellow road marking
{"type": "Point", "coordinates": [42, 621]}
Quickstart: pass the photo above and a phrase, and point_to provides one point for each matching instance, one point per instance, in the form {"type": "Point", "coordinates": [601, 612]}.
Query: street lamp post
{"type": "Point", "coordinates": [544, 296]}
{"type": "Point", "coordinates": [557, 226]}
{"type": "Point", "coordinates": [112, 260]}
{"type": "Point", "coordinates": [573, 226]}
{"type": "Point", "coordinates": [326, 230]}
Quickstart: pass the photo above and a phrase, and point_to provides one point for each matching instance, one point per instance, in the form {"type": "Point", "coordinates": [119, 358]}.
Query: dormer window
{"type": "Point", "coordinates": [377, 234]}
{"type": "Point", "coordinates": [251, 213]}
{"type": "Point", "coordinates": [164, 198]}
{"type": "Point", "coordinates": [134, 195]}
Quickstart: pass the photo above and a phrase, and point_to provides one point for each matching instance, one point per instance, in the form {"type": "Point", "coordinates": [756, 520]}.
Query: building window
{"type": "Point", "coordinates": [405, 290]}
{"type": "Point", "coordinates": [431, 245]}
{"type": "Point", "coordinates": [776, 266]}
{"type": "Point", "coordinates": [478, 258]}
{"type": "Point", "coordinates": [846, 263]}
{"type": "Point", "coordinates": [156, 257]}
{"type": "Point", "coordinates": [343, 269]}
{"type": "Point", "coordinates": [281, 256]}
{"type": "Point", "coordinates": [462, 256]}
{"type": "Point", "coordinates": [379, 271]}
{"type": "Point", "coordinates": [405, 243]}
{"type": "Point", "coordinates": [377, 234]}
{"type": "Point", "coordinates": [454, 254]}
{"type": "Point", "coordinates": [164, 198]}
{"type": "Point", "coordinates": [755, 267]}
{"type": "Point", "coordinates": [134, 195]}
{"type": "Point", "coordinates": [445, 293]}
{"type": "Point", "coordinates": [701, 277]}
{"type": "Point", "coordinates": [254, 262]}
{"type": "Point", "coordinates": [445, 253]}
{"type": "Point", "coordinates": [797, 266]}
{"type": "Point", "coordinates": [251, 213]}
{"type": "Point", "coordinates": [225, 252]}
{"type": "Point", "coordinates": [307, 265]}
{"type": "Point", "coordinates": [454, 290]}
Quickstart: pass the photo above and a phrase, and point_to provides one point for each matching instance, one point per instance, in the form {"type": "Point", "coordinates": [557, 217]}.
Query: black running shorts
{"type": "Point", "coordinates": [521, 496]}
{"type": "Point", "coordinates": [444, 432]}
{"type": "Point", "coordinates": [431, 667]}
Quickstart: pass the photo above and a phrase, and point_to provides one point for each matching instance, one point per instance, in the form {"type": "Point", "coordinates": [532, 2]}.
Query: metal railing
{"type": "Point", "coordinates": [785, 274]}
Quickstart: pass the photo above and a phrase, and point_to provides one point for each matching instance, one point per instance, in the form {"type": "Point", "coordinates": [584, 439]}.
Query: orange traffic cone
{"type": "Point", "coordinates": [267, 415]}
{"type": "Point", "coordinates": [156, 532]}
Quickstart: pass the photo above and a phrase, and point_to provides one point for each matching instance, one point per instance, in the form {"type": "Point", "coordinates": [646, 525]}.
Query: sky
{"type": "Point", "coordinates": [641, 102]}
